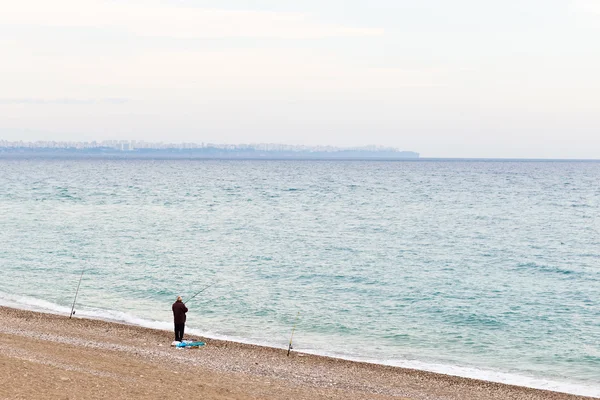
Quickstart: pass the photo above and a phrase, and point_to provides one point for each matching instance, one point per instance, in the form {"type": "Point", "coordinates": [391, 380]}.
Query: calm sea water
{"type": "Point", "coordinates": [482, 269]}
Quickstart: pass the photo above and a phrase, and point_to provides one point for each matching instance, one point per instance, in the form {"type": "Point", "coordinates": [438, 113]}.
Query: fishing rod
{"type": "Point", "coordinates": [293, 330]}
{"type": "Point", "coordinates": [76, 293]}
{"type": "Point", "coordinates": [206, 287]}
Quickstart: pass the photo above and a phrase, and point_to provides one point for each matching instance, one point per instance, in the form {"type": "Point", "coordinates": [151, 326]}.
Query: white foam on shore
{"type": "Point", "coordinates": [30, 303]}
{"type": "Point", "coordinates": [581, 389]}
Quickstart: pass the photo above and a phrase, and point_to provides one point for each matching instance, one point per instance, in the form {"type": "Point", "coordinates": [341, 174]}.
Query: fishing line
{"type": "Point", "coordinates": [212, 284]}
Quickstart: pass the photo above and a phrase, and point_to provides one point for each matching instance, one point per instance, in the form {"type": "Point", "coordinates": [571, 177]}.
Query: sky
{"type": "Point", "coordinates": [462, 78]}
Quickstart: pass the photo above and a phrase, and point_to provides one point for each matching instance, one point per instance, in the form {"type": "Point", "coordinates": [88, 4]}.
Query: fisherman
{"type": "Point", "coordinates": [179, 310]}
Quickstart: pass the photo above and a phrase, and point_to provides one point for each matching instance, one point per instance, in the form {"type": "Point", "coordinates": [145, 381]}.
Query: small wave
{"type": "Point", "coordinates": [63, 193]}
{"type": "Point", "coordinates": [261, 258]}
{"type": "Point", "coordinates": [30, 303]}
{"type": "Point", "coordinates": [499, 377]}
{"type": "Point", "coordinates": [580, 205]}
{"type": "Point", "coordinates": [397, 336]}
{"type": "Point", "coordinates": [33, 304]}
{"type": "Point", "coordinates": [581, 389]}
{"type": "Point", "coordinates": [546, 268]}
{"type": "Point", "coordinates": [478, 320]}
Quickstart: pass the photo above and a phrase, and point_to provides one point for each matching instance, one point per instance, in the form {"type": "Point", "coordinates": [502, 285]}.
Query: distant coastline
{"type": "Point", "coordinates": [208, 153]}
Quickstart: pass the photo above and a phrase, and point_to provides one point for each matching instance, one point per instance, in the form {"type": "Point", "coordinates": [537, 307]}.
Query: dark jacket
{"type": "Point", "coordinates": [179, 310]}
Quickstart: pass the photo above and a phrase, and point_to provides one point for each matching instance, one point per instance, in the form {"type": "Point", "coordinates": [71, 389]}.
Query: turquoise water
{"type": "Point", "coordinates": [482, 269]}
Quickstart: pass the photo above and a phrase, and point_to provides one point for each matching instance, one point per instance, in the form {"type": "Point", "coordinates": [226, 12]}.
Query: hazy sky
{"type": "Point", "coordinates": [462, 78]}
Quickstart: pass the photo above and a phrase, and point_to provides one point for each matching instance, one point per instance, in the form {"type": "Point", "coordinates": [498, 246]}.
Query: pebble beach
{"type": "Point", "coordinates": [48, 356]}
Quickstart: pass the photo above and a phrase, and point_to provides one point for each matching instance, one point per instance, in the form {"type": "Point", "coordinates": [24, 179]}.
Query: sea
{"type": "Point", "coordinates": [474, 268]}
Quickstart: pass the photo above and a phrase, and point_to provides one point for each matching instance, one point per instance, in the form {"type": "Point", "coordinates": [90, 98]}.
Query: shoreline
{"type": "Point", "coordinates": [233, 367]}
{"type": "Point", "coordinates": [496, 377]}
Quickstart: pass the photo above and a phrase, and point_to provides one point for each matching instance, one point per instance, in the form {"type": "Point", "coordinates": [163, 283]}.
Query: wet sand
{"type": "Point", "coordinates": [47, 356]}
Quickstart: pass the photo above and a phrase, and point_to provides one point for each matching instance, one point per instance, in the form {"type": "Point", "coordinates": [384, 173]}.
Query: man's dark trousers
{"type": "Point", "coordinates": [179, 328]}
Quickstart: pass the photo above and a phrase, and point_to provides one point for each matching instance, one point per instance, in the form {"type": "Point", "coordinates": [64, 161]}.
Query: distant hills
{"type": "Point", "coordinates": [142, 150]}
